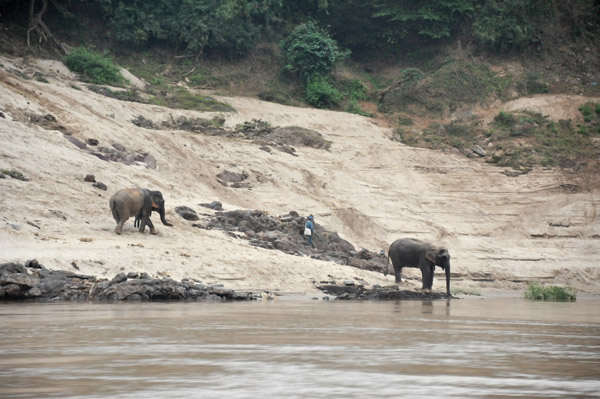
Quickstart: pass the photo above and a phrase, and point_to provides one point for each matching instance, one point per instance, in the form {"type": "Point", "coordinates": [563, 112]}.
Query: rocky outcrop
{"type": "Point", "coordinates": [392, 292]}
{"type": "Point", "coordinates": [34, 281]}
{"type": "Point", "coordinates": [285, 233]}
{"type": "Point", "coordinates": [187, 213]}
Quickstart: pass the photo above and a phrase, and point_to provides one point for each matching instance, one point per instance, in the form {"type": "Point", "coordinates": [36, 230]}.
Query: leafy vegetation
{"type": "Point", "coordinates": [516, 140]}
{"type": "Point", "coordinates": [183, 45]}
{"type": "Point", "coordinates": [434, 19]}
{"type": "Point", "coordinates": [321, 93]}
{"type": "Point", "coordinates": [455, 83]}
{"type": "Point", "coordinates": [230, 27]}
{"type": "Point", "coordinates": [509, 24]}
{"type": "Point", "coordinates": [123, 95]}
{"type": "Point", "coordinates": [466, 291]}
{"type": "Point", "coordinates": [588, 110]}
{"type": "Point", "coordinates": [183, 99]}
{"type": "Point", "coordinates": [309, 51]}
{"type": "Point", "coordinates": [93, 67]}
{"type": "Point", "coordinates": [549, 293]}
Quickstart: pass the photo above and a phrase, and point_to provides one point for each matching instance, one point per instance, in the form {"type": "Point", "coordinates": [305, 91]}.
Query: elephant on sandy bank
{"type": "Point", "coordinates": [138, 202]}
{"type": "Point", "coordinates": [410, 252]}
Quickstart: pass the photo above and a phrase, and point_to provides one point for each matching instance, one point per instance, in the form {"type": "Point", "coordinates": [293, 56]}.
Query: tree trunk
{"type": "Point", "coordinates": [38, 27]}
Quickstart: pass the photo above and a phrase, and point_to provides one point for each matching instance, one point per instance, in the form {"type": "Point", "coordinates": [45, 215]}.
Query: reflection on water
{"type": "Point", "coordinates": [471, 348]}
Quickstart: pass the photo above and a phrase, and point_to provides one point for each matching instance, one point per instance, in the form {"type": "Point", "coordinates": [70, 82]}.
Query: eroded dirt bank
{"type": "Point", "coordinates": [501, 231]}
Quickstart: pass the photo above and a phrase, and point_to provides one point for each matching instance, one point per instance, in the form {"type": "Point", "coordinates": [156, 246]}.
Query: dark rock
{"type": "Point", "coordinates": [293, 135]}
{"type": "Point", "coordinates": [150, 161]}
{"type": "Point", "coordinates": [290, 217]}
{"type": "Point", "coordinates": [119, 278]}
{"type": "Point", "coordinates": [12, 267]}
{"type": "Point", "coordinates": [11, 291]}
{"type": "Point", "coordinates": [76, 142]}
{"type": "Point", "coordinates": [98, 288]}
{"type": "Point", "coordinates": [478, 150]}
{"type": "Point", "coordinates": [33, 263]}
{"type": "Point", "coordinates": [107, 150]}
{"type": "Point", "coordinates": [187, 213]}
{"type": "Point", "coordinates": [364, 254]}
{"type": "Point", "coordinates": [2, 176]}
{"type": "Point", "coordinates": [216, 205]}
{"type": "Point", "coordinates": [119, 147]}
{"type": "Point", "coordinates": [90, 178]}
{"type": "Point", "coordinates": [141, 121]}
{"type": "Point", "coordinates": [129, 158]}
{"type": "Point", "coordinates": [286, 234]}
{"type": "Point", "coordinates": [232, 177]}
{"type": "Point", "coordinates": [100, 155]}
{"type": "Point", "coordinates": [100, 186]}
{"type": "Point", "coordinates": [92, 142]}
{"type": "Point", "coordinates": [359, 292]}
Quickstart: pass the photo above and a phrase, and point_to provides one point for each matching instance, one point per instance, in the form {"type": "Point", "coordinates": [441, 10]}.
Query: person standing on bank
{"type": "Point", "coordinates": [309, 229]}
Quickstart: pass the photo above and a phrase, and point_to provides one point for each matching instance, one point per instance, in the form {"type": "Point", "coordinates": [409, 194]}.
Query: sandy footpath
{"type": "Point", "coordinates": [501, 231]}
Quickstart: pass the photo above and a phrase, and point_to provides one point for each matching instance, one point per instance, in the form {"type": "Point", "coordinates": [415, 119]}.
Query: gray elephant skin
{"type": "Point", "coordinates": [410, 252]}
{"type": "Point", "coordinates": [138, 202]}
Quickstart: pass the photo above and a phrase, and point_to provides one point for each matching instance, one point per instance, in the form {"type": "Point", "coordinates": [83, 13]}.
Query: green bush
{"type": "Point", "coordinates": [509, 24]}
{"type": "Point", "coordinates": [230, 27]}
{"type": "Point", "coordinates": [587, 110]}
{"type": "Point", "coordinates": [504, 119]}
{"type": "Point", "coordinates": [353, 90]}
{"type": "Point", "coordinates": [321, 93]}
{"type": "Point", "coordinates": [310, 51]}
{"type": "Point", "coordinates": [93, 67]}
{"type": "Point", "coordinates": [549, 293]}
{"type": "Point", "coordinates": [354, 108]}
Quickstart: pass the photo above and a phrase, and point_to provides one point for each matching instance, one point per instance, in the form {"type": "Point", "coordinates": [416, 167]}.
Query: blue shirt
{"type": "Point", "coordinates": [309, 225]}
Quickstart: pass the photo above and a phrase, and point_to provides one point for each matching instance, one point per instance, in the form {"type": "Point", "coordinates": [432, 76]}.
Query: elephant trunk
{"type": "Point", "coordinates": [448, 279]}
{"type": "Point", "coordinates": [161, 212]}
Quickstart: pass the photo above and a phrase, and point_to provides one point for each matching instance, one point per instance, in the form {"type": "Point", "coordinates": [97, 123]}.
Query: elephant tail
{"type": "Point", "coordinates": [114, 209]}
{"type": "Point", "coordinates": [387, 266]}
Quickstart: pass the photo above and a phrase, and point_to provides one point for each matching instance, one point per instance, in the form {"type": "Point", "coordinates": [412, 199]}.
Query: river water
{"type": "Point", "coordinates": [468, 348]}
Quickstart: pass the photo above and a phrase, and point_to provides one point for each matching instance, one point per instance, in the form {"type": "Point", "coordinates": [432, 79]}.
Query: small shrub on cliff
{"type": "Point", "coordinates": [504, 119]}
{"type": "Point", "coordinates": [587, 110]}
{"type": "Point", "coordinates": [93, 67]}
{"type": "Point", "coordinates": [321, 93]}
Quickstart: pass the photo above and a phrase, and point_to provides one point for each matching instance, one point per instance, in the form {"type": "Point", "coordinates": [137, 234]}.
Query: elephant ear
{"type": "Point", "coordinates": [157, 198]}
{"type": "Point", "coordinates": [430, 257]}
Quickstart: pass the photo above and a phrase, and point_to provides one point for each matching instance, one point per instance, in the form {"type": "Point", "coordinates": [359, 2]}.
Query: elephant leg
{"type": "Point", "coordinates": [431, 273]}
{"type": "Point", "coordinates": [143, 222]}
{"type": "Point", "coordinates": [151, 226]}
{"type": "Point", "coordinates": [119, 228]}
{"type": "Point", "coordinates": [398, 275]}
{"type": "Point", "coordinates": [426, 277]}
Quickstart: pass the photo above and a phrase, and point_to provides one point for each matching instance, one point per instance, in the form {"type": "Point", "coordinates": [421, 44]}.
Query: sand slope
{"type": "Point", "coordinates": [500, 230]}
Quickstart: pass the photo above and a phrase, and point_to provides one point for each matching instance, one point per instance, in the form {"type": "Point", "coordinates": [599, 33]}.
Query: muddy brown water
{"type": "Point", "coordinates": [469, 348]}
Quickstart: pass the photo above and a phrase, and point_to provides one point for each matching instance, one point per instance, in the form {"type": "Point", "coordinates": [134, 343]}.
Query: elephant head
{"type": "Point", "coordinates": [158, 204]}
{"type": "Point", "coordinates": [441, 258]}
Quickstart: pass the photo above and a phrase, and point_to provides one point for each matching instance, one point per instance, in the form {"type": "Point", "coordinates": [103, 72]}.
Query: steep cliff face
{"type": "Point", "coordinates": [501, 230]}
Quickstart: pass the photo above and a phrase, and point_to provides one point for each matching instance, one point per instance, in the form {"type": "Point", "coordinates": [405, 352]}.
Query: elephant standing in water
{"type": "Point", "coordinates": [410, 252]}
{"type": "Point", "coordinates": [140, 203]}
